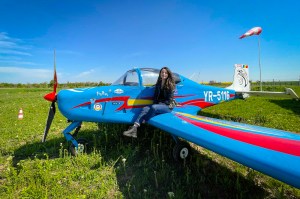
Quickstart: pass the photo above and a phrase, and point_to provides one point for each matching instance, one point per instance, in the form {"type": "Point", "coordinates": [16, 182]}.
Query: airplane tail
{"type": "Point", "coordinates": [241, 85]}
{"type": "Point", "coordinates": [241, 81]}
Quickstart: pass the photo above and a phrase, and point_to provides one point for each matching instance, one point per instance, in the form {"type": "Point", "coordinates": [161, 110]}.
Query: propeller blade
{"type": "Point", "coordinates": [52, 98]}
{"type": "Point", "coordinates": [49, 120]}
{"type": "Point", "coordinates": [55, 76]}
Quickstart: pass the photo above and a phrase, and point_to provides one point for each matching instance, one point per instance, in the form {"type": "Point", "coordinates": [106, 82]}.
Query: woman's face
{"type": "Point", "coordinates": [164, 74]}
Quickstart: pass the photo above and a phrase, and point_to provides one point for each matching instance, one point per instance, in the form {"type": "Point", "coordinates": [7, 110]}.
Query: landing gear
{"type": "Point", "coordinates": [77, 146]}
{"type": "Point", "coordinates": [181, 151]}
{"type": "Point", "coordinates": [76, 131]}
{"type": "Point", "coordinates": [82, 147]}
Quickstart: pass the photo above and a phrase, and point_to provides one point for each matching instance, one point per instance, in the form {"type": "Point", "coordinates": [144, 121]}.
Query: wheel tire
{"type": "Point", "coordinates": [181, 151]}
{"type": "Point", "coordinates": [80, 141]}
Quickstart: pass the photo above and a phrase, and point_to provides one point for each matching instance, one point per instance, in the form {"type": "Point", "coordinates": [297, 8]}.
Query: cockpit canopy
{"type": "Point", "coordinates": [148, 77]}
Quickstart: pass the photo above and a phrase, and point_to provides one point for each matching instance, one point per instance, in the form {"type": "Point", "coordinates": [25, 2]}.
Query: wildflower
{"type": "Point", "coordinates": [171, 194]}
{"type": "Point", "coordinates": [9, 158]}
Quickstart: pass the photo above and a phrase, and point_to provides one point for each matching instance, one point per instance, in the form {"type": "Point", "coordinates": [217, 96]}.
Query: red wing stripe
{"type": "Point", "coordinates": [288, 146]}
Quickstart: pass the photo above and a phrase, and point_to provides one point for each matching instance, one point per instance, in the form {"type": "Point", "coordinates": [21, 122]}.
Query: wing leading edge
{"type": "Point", "coordinates": [270, 151]}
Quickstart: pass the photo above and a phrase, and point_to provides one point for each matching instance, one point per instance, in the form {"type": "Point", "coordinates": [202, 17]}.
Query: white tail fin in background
{"type": "Point", "coordinates": [241, 78]}
{"type": "Point", "coordinates": [241, 85]}
{"type": "Point", "coordinates": [241, 81]}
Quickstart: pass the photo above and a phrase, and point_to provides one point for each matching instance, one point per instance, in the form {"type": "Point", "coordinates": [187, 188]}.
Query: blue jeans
{"type": "Point", "coordinates": [149, 111]}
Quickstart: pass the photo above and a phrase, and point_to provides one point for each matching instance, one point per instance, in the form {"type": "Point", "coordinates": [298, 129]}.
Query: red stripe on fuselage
{"type": "Point", "coordinates": [183, 96]}
{"type": "Point", "coordinates": [283, 145]}
{"type": "Point", "coordinates": [197, 102]}
{"type": "Point", "coordinates": [124, 99]}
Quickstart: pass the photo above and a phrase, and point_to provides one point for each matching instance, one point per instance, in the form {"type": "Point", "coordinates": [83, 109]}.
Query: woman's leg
{"type": "Point", "coordinates": [157, 109]}
{"type": "Point", "coordinates": [146, 114]}
{"type": "Point", "coordinates": [142, 115]}
{"type": "Point", "coordinates": [132, 131]}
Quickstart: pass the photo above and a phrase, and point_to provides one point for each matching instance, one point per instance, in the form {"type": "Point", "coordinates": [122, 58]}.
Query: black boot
{"type": "Point", "coordinates": [131, 132]}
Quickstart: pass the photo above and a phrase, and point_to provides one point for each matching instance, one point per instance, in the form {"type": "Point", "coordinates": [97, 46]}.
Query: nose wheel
{"type": "Point", "coordinates": [82, 147]}
{"type": "Point", "coordinates": [181, 151]}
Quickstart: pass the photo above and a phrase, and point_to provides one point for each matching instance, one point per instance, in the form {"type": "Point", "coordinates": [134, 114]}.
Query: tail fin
{"type": "Point", "coordinates": [241, 81]}
{"type": "Point", "coordinates": [241, 78]}
{"type": "Point", "coordinates": [241, 85]}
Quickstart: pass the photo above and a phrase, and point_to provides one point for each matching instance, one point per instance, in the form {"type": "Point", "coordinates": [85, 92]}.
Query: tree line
{"type": "Point", "coordinates": [50, 85]}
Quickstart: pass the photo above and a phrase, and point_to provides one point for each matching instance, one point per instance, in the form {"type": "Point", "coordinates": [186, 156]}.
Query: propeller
{"type": "Point", "coordinates": [52, 98]}
{"type": "Point", "coordinates": [49, 120]}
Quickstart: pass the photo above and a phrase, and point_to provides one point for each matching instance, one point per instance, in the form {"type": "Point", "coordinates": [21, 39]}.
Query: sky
{"type": "Point", "coordinates": [100, 40]}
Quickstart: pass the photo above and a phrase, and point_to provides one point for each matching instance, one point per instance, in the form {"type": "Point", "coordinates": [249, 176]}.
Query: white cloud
{"type": "Point", "coordinates": [16, 62]}
{"type": "Point", "coordinates": [13, 52]}
{"type": "Point", "coordinates": [13, 46]}
{"type": "Point", "coordinates": [24, 75]}
{"type": "Point", "coordinates": [85, 74]}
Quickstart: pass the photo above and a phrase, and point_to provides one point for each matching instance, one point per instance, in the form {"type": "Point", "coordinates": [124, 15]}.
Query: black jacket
{"type": "Point", "coordinates": [163, 95]}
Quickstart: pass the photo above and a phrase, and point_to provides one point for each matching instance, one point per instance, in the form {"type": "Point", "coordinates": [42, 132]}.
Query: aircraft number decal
{"type": "Point", "coordinates": [101, 93]}
{"type": "Point", "coordinates": [210, 96]}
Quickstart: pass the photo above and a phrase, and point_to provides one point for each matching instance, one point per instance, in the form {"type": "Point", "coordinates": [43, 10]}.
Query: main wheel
{"type": "Point", "coordinates": [82, 146]}
{"type": "Point", "coordinates": [181, 151]}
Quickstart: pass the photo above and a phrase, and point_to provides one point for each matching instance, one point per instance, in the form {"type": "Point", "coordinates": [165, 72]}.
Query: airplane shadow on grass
{"type": "Point", "coordinates": [150, 170]}
{"type": "Point", "coordinates": [288, 104]}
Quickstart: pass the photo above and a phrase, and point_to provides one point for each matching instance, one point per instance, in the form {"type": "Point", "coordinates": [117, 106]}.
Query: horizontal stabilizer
{"type": "Point", "coordinates": [288, 93]}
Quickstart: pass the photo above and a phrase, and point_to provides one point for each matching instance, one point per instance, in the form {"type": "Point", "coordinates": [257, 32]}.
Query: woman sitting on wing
{"type": "Point", "coordinates": [163, 100]}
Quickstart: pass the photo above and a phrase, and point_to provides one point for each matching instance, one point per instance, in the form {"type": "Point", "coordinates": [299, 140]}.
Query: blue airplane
{"type": "Point", "coordinates": [270, 151]}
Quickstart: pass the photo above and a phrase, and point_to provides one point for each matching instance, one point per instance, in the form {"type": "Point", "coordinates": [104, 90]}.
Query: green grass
{"type": "Point", "coordinates": [118, 167]}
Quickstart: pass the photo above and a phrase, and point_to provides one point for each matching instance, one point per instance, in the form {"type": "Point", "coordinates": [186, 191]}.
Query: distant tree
{"type": "Point", "coordinates": [103, 84]}
{"type": "Point", "coordinates": [51, 83]}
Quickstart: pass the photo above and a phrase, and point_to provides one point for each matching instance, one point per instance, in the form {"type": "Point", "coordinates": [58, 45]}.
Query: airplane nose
{"type": "Point", "coordinates": [50, 96]}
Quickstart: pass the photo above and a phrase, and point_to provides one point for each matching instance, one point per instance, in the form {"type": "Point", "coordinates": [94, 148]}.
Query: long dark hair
{"type": "Point", "coordinates": [170, 83]}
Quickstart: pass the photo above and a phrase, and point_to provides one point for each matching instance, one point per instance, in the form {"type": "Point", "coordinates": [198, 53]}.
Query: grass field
{"type": "Point", "coordinates": [118, 167]}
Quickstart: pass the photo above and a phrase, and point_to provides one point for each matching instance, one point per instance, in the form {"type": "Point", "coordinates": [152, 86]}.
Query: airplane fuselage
{"type": "Point", "coordinates": [121, 103]}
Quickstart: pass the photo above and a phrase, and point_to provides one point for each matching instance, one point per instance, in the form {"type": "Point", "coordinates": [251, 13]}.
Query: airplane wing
{"type": "Point", "coordinates": [270, 151]}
